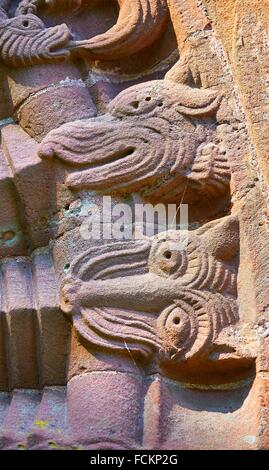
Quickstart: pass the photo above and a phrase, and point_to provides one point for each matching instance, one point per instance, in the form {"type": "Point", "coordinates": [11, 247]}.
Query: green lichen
{"type": "Point", "coordinates": [53, 445]}
{"type": "Point", "coordinates": [41, 424]}
{"type": "Point", "coordinates": [21, 446]}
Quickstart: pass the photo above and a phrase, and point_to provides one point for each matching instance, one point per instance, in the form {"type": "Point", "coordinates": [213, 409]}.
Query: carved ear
{"type": "Point", "coordinates": [182, 72]}
{"type": "Point", "coordinates": [196, 102]}
{"type": "Point", "coordinates": [221, 239]}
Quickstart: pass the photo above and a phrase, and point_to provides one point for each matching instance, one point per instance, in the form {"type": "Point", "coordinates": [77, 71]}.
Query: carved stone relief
{"type": "Point", "coordinates": [144, 102]}
{"type": "Point", "coordinates": [161, 298]}
{"type": "Point", "coordinates": [159, 137]}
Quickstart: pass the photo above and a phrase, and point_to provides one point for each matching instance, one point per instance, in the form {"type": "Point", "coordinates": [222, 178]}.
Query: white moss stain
{"type": "Point", "coordinates": [6, 122]}
{"type": "Point", "coordinates": [66, 83]}
{"type": "Point", "coordinates": [250, 439]}
{"type": "Point", "coordinates": [10, 236]}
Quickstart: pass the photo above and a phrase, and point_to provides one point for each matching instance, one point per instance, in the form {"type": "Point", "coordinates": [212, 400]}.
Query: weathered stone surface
{"type": "Point", "coordinates": [119, 342]}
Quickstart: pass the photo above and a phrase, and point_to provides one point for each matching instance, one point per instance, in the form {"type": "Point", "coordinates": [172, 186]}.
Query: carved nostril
{"type": "Point", "coordinates": [135, 104]}
{"type": "Point", "coordinates": [148, 98]}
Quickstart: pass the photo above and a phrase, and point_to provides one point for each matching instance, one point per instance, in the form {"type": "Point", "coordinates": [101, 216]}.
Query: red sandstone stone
{"type": "Point", "coordinates": [141, 344]}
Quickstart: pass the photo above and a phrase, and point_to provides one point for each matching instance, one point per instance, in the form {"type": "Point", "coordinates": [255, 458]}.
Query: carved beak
{"type": "Point", "coordinates": [147, 292]}
{"type": "Point", "coordinates": [59, 47]}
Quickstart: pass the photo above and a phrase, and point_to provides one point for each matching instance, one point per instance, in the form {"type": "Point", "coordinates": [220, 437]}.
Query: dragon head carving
{"type": "Point", "coordinates": [139, 24]}
{"type": "Point", "coordinates": [25, 41]}
{"type": "Point", "coordinates": [173, 296]}
{"type": "Point", "coordinates": [157, 137]}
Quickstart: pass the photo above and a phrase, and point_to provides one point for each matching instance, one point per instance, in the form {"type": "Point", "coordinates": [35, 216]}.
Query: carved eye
{"type": "Point", "coordinates": [167, 259]}
{"type": "Point", "coordinates": [26, 23]}
{"type": "Point", "coordinates": [171, 261]}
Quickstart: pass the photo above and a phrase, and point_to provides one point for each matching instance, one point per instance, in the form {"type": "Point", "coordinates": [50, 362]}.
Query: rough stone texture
{"type": "Point", "coordinates": [134, 344]}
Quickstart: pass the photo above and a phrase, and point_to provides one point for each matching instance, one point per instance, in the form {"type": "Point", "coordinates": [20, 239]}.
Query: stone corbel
{"type": "Point", "coordinates": [173, 298]}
